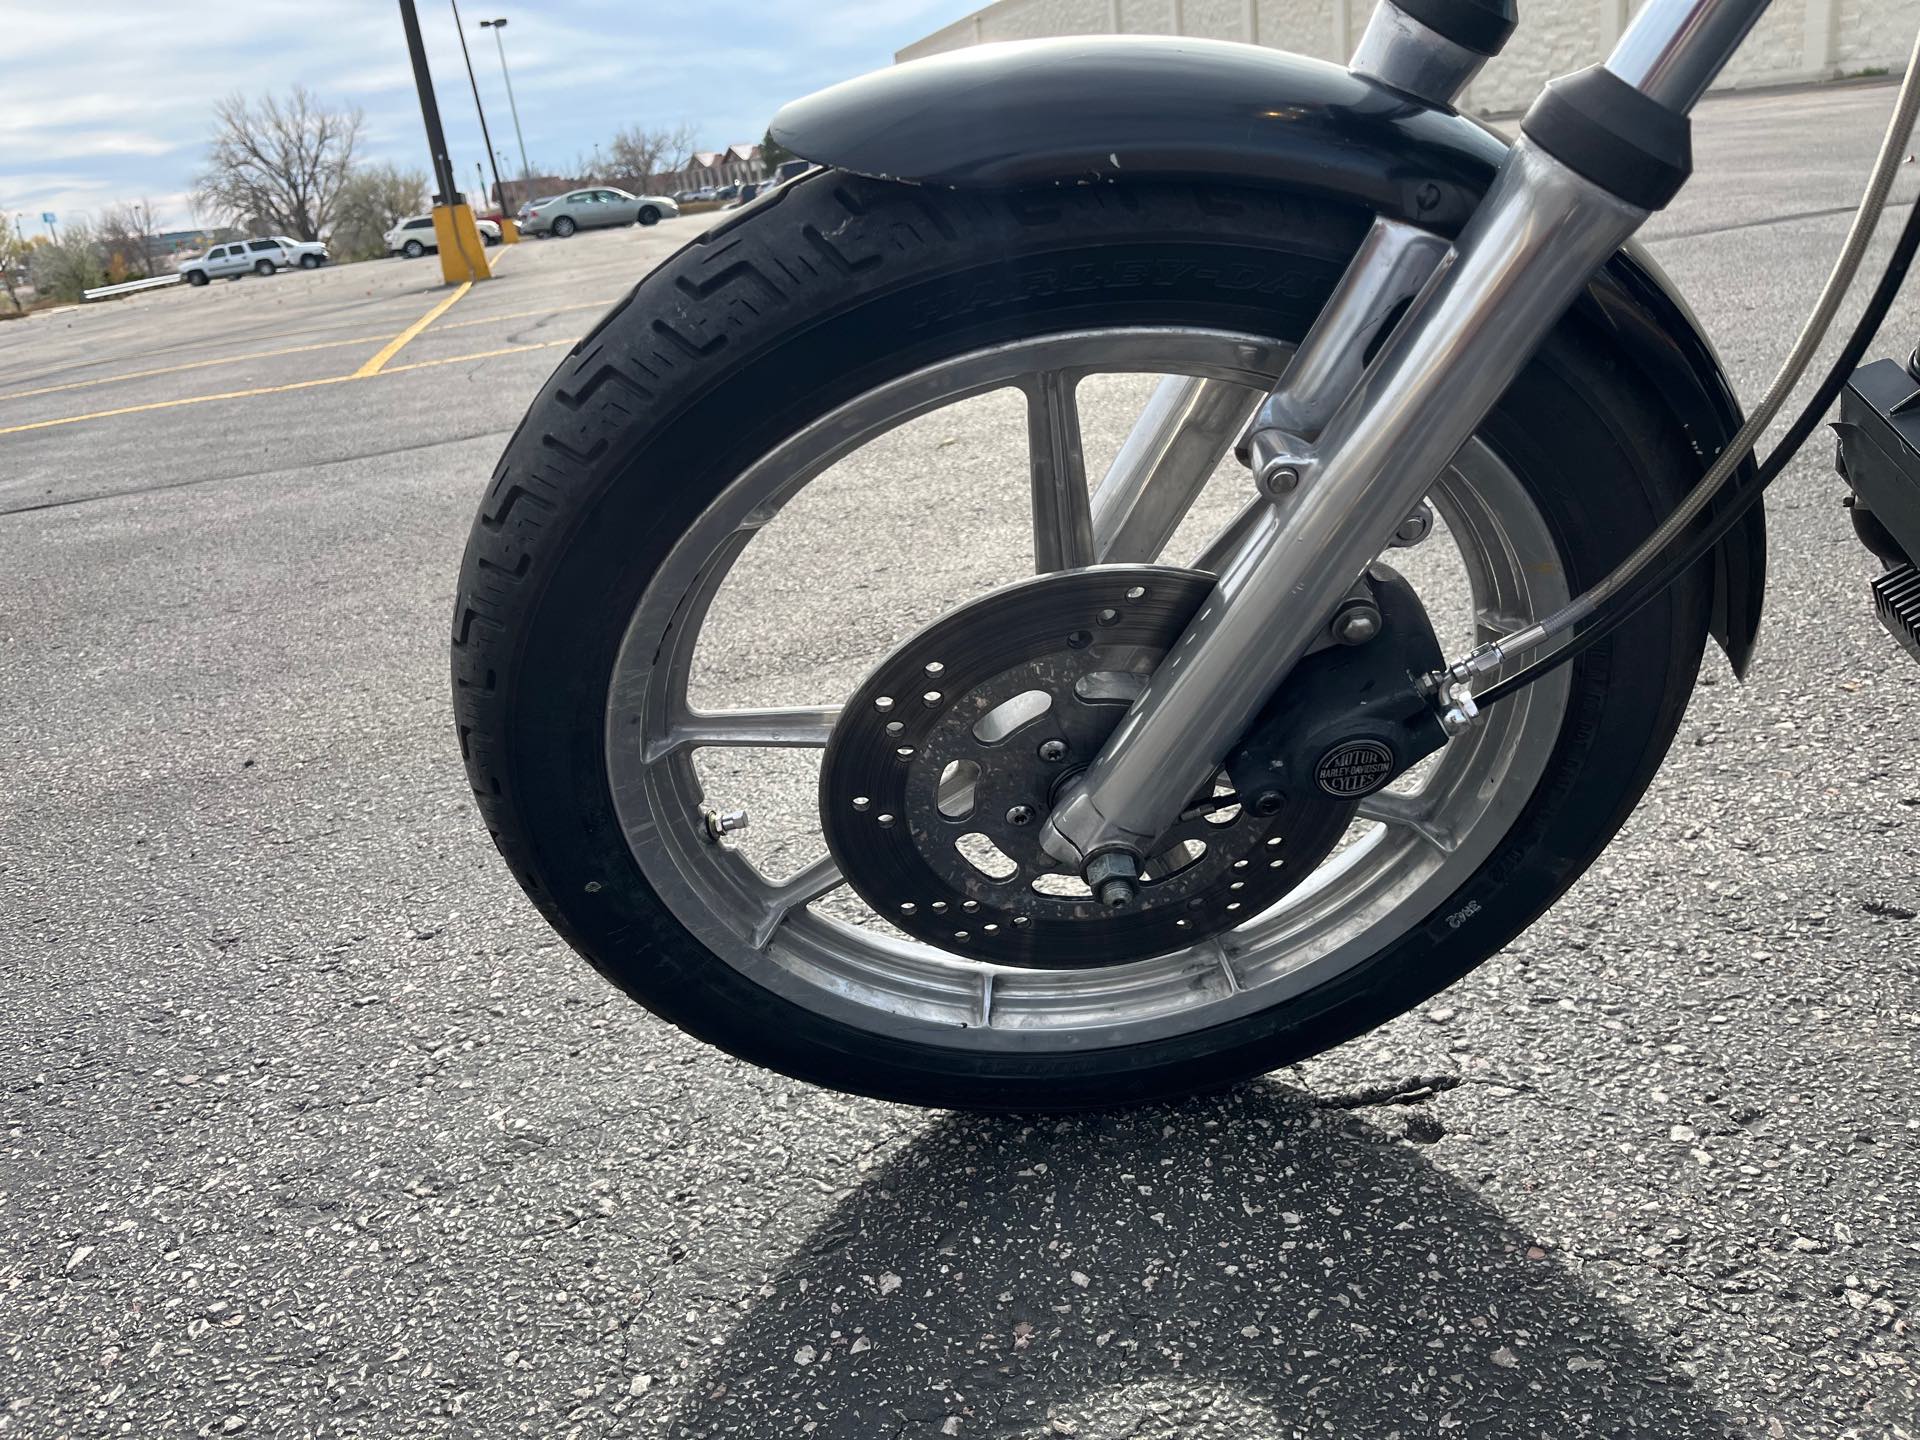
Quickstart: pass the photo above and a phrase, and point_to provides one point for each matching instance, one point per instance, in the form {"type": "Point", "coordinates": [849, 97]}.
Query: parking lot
{"type": "Point", "coordinates": [312, 1127]}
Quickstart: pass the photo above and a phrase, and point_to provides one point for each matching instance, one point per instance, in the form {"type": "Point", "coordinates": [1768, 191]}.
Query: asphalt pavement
{"type": "Point", "coordinates": [311, 1127]}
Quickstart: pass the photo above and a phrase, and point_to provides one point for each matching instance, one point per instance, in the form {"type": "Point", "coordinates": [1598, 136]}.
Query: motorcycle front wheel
{"type": "Point", "coordinates": [800, 441]}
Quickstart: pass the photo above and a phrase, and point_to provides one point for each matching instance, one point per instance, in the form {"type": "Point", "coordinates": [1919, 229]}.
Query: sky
{"type": "Point", "coordinates": [112, 100]}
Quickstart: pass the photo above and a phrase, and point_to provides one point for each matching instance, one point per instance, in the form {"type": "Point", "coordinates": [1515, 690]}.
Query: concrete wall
{"type": "Point", "coordinates": [1795, 39]}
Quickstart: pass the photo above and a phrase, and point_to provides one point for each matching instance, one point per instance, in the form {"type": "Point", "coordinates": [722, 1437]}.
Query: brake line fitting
{"type": "Point", "coordinates": [1451, 689]}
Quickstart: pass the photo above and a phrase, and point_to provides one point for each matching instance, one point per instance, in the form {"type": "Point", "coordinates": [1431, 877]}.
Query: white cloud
{"type": "Point", "coordinates": [104, 101]}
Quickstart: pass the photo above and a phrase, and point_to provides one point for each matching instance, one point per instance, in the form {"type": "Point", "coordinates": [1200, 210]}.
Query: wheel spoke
{"type": "Point", "coordinates": [1062, 510]}
{"type": "Point", "coordinates": [782, 900]}
{"type": "Point", "coordinates": [799, 727]}
{"type": "Point", "coordinates": [1409, 812]}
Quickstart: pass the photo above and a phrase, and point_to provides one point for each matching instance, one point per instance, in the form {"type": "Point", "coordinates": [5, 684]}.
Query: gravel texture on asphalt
{"type": "Point", "coordinates": [312, 1128]}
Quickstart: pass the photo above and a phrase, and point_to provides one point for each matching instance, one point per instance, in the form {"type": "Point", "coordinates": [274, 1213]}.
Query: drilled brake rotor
{"type": "Point", "coordinates": [947, 760]}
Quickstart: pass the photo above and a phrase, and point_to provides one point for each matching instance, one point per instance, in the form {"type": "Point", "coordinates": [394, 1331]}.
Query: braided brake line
{"type": "Point", "coordinates": [1610, 602]}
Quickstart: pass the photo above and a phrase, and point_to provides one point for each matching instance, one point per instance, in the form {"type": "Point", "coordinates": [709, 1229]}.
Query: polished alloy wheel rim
{"type": "Point", "coordinates": [1414, 847]}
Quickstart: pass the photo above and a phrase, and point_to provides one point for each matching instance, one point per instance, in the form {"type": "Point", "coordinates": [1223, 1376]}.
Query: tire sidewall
{"type": "Point", "coordinates": [1597, 482]}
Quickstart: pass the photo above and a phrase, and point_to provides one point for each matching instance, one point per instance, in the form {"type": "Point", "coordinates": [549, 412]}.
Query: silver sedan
{"type": "Point", "coordinates": [583, 209]}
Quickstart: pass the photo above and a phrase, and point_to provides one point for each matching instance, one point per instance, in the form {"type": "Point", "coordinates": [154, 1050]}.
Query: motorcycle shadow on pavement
{"type": "Point", "coordinates": [1246, 1265]}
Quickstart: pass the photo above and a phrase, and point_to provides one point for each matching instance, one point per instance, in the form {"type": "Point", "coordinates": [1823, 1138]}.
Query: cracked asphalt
{"type": "Point", "coordinates": [312, 1128]}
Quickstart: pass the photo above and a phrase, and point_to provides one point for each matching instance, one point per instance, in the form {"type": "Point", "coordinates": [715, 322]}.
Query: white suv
{"type": "Point", "coordinates": [252, 257]}
{"type": "Point", "coordinates": [413, 237]}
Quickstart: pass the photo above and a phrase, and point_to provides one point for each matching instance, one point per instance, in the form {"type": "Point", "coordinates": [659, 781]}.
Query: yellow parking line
{"type": "Point", "coordinates": [171, 404]}
{"type": "Point", "coordinates": [361, 374]}
{"type": "Point", "coordinates": [393, 347]}
{"type": "Point", "coordinates": [456, 359]}
{"type": "Point", "coordinates": [287, 350]}
{"type": "Point", "coordinates": [516, 315]}
{"type": "Point", "coordinates": [187, 365]}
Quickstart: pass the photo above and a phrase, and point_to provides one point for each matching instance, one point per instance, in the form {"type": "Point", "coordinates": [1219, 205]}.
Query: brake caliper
{"type": "Point", "coordinates": [1349, 719]}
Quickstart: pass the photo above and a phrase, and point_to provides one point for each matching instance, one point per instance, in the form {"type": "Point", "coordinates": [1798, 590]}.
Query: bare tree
{"type": "Point", "coordinates": [276, 165]}
{"type": "Point", "coordinates": [15, 247]}
{"type": "Point", "coordinates": [637, 153]}
{"type": "Point", "coordinates": [374, 199]}
{"type": "Point", "coordinates": [126, 237]}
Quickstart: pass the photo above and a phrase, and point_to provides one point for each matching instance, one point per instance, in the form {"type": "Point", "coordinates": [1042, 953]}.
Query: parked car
{"type": "Point", "coordinates": [747, 192]}
{"type": "Point", "coordinates": [243, 257]}
{"type": "Point", "coordinates": [306, 254]}
{"type": "Point", "coordinates": [561, 215]}
{"type": "Point", "coordinates": [726, 192]}
{"type": "Point", "coordinates": [413, 237]}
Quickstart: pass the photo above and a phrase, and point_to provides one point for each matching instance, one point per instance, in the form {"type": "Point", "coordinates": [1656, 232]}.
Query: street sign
{"type": "Point", "coordinates": [46, 217]}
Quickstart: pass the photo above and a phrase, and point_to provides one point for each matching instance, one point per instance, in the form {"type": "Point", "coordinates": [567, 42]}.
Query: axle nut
{"type": "Point", "coordinates": [1112, 875]}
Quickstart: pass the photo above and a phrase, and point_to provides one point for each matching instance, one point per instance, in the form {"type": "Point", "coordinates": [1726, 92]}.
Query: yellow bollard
{"type": "Point", "coordinates": [509, 230]}
{"type": "Point", "coordinates": [463, 255]}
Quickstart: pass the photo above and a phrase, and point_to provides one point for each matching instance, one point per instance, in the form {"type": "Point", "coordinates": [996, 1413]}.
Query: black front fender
{"type": "Point", "coordinates": [1101, 109]}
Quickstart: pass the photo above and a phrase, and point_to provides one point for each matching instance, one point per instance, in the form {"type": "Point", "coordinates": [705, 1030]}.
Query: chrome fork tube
{"type": "Point", "coordinates": [1391, 266]}
{"type": "Point", "coordinates": [1387, 271]}
{"type": "Point", "coordinates": [1532, 245]}
{"type": "Point", "coordinates": [1673, 48]}
{"type": "Point", "coordinates": [1187, 428]}
{"type": "Point", "coordinates": [1536, 239]}
{"type": "Point", "coordinates": [1401, 53]}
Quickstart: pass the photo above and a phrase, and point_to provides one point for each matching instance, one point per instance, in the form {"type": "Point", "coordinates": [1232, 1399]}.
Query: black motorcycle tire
{"type": "Point", "coordinates": [839, 284]}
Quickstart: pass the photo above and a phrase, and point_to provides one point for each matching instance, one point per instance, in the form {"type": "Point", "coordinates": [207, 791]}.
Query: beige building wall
{"type": "Point", "coordinates": [1795, 39]}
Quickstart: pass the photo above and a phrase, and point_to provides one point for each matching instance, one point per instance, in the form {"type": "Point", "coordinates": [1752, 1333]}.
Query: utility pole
{"type": "Point", "coordinates": [508, 232]}
{"type": "Point", "coordinates": [526, 170]}
{"type": "Point", "coordinates": [461, 256]}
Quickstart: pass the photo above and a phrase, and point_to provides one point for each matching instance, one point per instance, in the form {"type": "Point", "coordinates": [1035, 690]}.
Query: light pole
{"type": "Point", "coordinates": [526, 170]}
{"type": "Point", "coordinates": [499, 190]}
{"type": "Point", "coordinates": [454, 234]}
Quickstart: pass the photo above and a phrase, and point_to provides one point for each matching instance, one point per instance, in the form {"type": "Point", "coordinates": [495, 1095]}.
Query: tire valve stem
{"type": "Point", "coordinates": [723, 822]}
